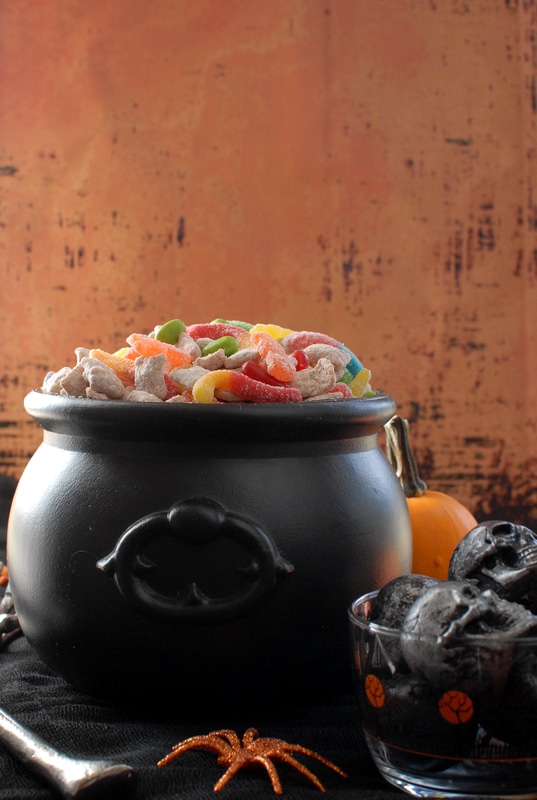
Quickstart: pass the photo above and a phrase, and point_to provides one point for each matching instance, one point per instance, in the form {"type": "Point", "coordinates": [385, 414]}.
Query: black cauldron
{"type": "Point", "coordinates": [187, 555]}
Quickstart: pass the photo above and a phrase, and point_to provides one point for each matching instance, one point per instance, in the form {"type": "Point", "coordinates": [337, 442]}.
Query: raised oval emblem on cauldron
{"type": "Point", "coordinates": [154, 559]}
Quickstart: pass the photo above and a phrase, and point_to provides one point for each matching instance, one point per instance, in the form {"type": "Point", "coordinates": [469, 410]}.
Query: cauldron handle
{"type": "Point", "coordinates": [196, 523]}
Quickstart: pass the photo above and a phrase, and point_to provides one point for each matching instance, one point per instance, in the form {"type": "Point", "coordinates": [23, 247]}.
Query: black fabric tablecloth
{"type": "Point", "coordinates": [83, 726]}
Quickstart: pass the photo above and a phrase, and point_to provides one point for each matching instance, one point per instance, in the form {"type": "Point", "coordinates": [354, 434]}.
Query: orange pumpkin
{"type": "Point", "coordinates": [438, 521]}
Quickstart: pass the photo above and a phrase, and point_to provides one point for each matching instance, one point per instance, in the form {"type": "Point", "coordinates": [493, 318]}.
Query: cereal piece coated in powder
{"type": "Point", "coordinates": [103, 382]}
{"type": "Point", "coordinates": [315, 380]}
{"type": "Point", "coordinates": [186, 344]}
{"type": "Point", "coordinates": [138, 396]}
{"type": "Point", "coordinates": [241, 357]}
{"type": "Point", "coordinates": [149, 375]}
{"type": "Point", "coordinates": [212, 361]}
{"type": "Point", "coordinates": [74, 384]}
{"type": "Point", "coordinates": [339, 358]}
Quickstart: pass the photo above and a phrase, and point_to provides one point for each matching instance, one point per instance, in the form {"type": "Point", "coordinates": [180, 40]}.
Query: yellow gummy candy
{"type": "Point", "coordinates": [276, 331]}
{"type": "Point", "coordinates": [358, 385]}
{"type": "Point", "coordinates": [203, 389]}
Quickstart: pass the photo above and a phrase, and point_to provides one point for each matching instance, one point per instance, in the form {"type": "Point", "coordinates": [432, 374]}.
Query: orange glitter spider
{"type": "Point", "coordinates": [236, 755]}
{"type": "Point", "coordinates": [4, 577]}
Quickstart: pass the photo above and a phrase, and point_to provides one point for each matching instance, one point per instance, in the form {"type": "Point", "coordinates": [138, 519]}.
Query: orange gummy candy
{"type": "Point", "coordinates": [123, 367]}
{"type": "Point", "coordinates": [279, 364]}
{"type": "Point", "coordinates": [147, 346]}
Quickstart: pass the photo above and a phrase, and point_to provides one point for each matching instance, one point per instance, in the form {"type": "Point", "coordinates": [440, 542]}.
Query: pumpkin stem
{"type": "Point", "coordinates": [402, 458]}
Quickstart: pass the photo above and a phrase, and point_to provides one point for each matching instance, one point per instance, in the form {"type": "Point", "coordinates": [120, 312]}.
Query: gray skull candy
{"type": "Point", "coordinates": [442, 634]}
{"type": "Point", "coordinates": [389, 609]}
{"type": "Point", "coordinates": [395, 598]}
{"type": "Point", "coordinates": [501, 556]}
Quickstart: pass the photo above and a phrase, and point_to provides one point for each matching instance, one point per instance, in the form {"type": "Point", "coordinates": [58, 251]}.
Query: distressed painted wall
{"type": "Point", "coordinates": [363, 168]}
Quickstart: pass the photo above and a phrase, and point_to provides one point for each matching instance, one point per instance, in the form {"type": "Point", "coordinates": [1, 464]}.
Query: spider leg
{"type": "Point", "coordinates": [249, 736]}
{"type": "Point", "coordinates": [272, 773]}
{"type": "Point", "coordinates": [205, 742]}
{"type": "Point", "coordinates": [230, 736]}
{"type": "Point", "coordinates": [302, 769]}
{"type": "Point", "coordinates": [228, 774]}
{"type": "Point", "coordinates": [296, 748]}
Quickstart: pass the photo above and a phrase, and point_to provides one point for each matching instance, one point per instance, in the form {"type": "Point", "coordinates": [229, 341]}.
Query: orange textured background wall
{"type": "Point", "coordinates": [363, 168]}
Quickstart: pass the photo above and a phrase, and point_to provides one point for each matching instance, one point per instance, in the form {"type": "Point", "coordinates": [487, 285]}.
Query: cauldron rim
{"type": "Point", "coordinates": [322, 420]}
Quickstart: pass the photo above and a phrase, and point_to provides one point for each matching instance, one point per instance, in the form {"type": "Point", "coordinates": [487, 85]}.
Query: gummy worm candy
{"type": "Point", "coordinates": [146, 346]}
{"type": "Point", "coordinates": [298, 340]}
{"type": "Point", "coordinates": [343, 389]}
{"type": "Point", "coordinates": [123, 367]}
{"type": "Point", "coordinates": [359, 383]}
{"type": "Point", "coordinates": [301, 358]}
{"type": "Point", "coordinates": [258, 373]}
{"type": "Point", "coordinates": [215, 330]}
{"type": "Point", "coordinates": [239, 323]}
{"type": "Point", "coordinates": [355, 365]}
{"type": "Point", "coordinates": [279, 364]}
{"type": "Point", "coordinates": [244, 387]}
{"type": "Point", "coordinates": [276, 331]}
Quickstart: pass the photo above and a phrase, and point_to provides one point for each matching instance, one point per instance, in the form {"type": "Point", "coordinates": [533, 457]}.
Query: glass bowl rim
{"type": "Point", "coordinates": [477, 640]}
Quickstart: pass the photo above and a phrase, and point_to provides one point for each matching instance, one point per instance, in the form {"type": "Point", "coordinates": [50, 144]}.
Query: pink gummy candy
{"type": "Point", "coordinates": [301, 339]}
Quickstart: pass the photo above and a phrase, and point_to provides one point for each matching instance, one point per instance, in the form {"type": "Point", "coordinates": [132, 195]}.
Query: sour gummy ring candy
{"type": "Point", "coordinates": [243, 386]}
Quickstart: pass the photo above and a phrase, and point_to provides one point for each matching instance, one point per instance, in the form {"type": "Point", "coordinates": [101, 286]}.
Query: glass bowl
{"type": "Point", "coordinates": [471, 734]}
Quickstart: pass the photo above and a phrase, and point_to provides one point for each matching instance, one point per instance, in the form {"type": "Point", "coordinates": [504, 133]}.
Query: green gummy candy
{"type": "Point", "coordinates": [236, 322]}
{"type": "Point", "coordinates": [170, 331]}
{"type": "Point", "coordinates": [347, 377]}
{"type": "Point", "coordinates": [228, 344]}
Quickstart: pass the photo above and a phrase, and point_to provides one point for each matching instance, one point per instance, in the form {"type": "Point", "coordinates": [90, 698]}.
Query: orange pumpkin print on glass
{"type": "Point", "coordinates": [374, 691]}
{"type": "Point", "coordinates": [456, 707]}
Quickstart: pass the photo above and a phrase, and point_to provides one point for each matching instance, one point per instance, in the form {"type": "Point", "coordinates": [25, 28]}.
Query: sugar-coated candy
{"type": "Point", "coordinates": [354, 365]}
{"type": "Point", "coordinates": [258, 373]}
{"type": "Point", "coordinates": [237, 322]}
{"type": "Point", "coordinates": [244, 387]}
{"type": "Point", "coordinates": [298, 340]}
{"type": "Point", "coordinates": [301, 358]}
{"type": "Point", "coordinates": [279, 364]}
{"type": "Point", "coordinates": [342, 389]}
{"type": "Point", "coordinates": [123, 367]}
{"type": "Point", "coordinates": [215, 330]}
{"type": "Point", "coordinates": [360, 382]}
{"type": "Point", "coordinates": [276, 331]}
{"type": "Point", "coordinates": [223, 361]}
{"type": "Point", "coordinates": [147, 346]}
